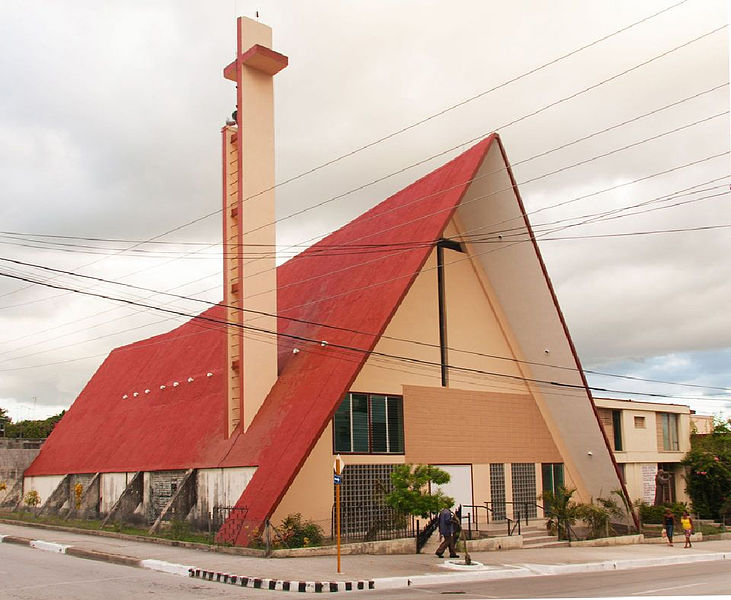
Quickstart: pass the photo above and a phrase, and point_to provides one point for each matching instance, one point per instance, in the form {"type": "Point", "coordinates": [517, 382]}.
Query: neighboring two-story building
{"type": "Point", "coordinates": [647, 437]}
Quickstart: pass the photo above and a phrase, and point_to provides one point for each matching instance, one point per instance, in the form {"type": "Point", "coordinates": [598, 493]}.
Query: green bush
{"type": "Point", "coordinates": [300, 534]}
{"type": "Point", "coordinates": [654, 514]}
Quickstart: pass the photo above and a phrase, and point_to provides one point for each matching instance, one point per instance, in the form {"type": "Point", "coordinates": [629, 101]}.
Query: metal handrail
{"type": "Point", "coordinates": [514, 523]}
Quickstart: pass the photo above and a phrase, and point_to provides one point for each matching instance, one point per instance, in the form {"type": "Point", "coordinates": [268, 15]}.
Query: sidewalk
{"type": "Point", "coordinates": [358, 571]}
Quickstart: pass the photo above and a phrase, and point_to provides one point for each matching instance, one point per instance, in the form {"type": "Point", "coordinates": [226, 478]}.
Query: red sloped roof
{"type": "Point", "coordinates": [175, 428]}
{"type": "Point", "coordinates": [183, 426]}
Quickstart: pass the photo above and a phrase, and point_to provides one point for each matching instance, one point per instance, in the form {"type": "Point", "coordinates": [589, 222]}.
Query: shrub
{"type": "Point", "coordinates": [78, 491]}
{"type": "Point", "coordinates": [654, 514]}
{"type": "Point", "coordinates": [32, 498]}
{"type": "Point", "coordinates": [300, 534]}
{"type": "Point", "coordinates": [561, 511]}
{"type": "Point", "coordinates": [179, 530]}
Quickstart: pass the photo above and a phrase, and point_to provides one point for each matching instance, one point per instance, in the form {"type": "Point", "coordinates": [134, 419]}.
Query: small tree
{"type": "Point", "coordinates": [410, 493]}
{"type": "Point", "coordinates": [709, 470]}
{"type": "Point", "coordinates": [561, 511]}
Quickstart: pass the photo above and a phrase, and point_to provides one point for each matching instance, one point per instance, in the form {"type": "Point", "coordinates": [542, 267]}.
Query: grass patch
{"type": "Point", "coordinates": [175, 530]}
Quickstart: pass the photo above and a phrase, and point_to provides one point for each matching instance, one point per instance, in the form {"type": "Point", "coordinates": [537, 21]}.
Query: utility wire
{"type": "Point", "coordinates": [346, 348]}
{"type": "Point", "coordinates": [32, 237]}
{"type": "Point", "coordinates": [465, 101]}
{"type": "Point", "coordinates": [308, 322]}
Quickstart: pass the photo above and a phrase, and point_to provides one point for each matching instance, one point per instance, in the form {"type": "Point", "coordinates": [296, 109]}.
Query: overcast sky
{"type": "Point", "coordinates": [110, 117]}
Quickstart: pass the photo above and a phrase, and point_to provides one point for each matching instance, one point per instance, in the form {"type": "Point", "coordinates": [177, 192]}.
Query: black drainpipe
{"type": "Point", "coordinates": [441, 245]}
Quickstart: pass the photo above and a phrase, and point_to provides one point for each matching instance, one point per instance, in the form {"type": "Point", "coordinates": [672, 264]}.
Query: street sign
{"type": "Point", "coordinates": [337, 479]}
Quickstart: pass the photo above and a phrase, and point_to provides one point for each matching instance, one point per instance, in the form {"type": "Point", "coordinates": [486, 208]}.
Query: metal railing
{"type": "Point", "coordinates": [423, 535]}
{"type": "Point", "coordinates": [359, 526]}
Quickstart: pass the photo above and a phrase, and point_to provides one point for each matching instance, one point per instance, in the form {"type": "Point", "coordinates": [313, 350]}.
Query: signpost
{"type": "Point", "coordinates": [337, 478]}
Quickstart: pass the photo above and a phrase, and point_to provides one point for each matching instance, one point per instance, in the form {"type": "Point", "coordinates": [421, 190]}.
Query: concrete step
{"type": "Point", "coordinates": [533, 533]}
{"type": "Point", "coordinates": [553, 544]}
{"type": "Point", "coordinates": [538, 540]}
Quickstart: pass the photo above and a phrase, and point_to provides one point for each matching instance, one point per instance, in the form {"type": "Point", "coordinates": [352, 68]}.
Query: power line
{"type": "Point", "coordinates": [318, 324]}
{"type": "Point", "coordinates": [343, 347]}
{"type": "Point", "coordinates": [26, 236]}
{"type": "Point", "coordinates": [465, 101]}
{"type": "Point", "coordinates": [484, 135]}
{"type": "Point", "coordinates": [442, 153]}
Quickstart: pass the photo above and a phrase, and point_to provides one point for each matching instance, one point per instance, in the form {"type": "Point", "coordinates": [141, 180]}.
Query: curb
{"type": "Point", "coordinates": [539, 570]}
{"type": "Point", "coordinates": [282, 585]}
{"type": "Point", "coordinates": [190, 571]}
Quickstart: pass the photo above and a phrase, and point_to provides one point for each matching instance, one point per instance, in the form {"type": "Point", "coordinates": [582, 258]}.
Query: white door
{"type": "Point", "coordinates": [459, 486]}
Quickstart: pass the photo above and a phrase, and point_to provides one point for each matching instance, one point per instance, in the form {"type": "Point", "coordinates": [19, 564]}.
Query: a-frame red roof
{"type": "Point", "coordinates": [181, 426]}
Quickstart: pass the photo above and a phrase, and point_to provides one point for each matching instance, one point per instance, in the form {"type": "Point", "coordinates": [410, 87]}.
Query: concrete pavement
{"type": "Point", "coordinates": [319, 573]}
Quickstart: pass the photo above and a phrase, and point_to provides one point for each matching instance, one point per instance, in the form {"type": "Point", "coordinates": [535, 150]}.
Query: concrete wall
{"type": "Point", "coordinates": [220, 487]}
{"type": "Point", "coordinates": [44, 485]}
{"type": "Point", "coordinates": [111, 488]}
{"type": "Point", "coordinates": [16, 455]}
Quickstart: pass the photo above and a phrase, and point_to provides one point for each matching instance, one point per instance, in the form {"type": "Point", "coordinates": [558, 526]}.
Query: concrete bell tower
{"type": "Point", "coordinates": [250, 284]}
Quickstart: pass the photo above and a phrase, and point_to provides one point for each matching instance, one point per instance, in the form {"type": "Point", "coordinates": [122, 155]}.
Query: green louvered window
{"type": "Point", "coordinates": [369, 424]}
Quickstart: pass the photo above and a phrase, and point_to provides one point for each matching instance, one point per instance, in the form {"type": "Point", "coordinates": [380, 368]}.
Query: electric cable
{"type": "Point", "coordinates": [318, 324]}
{"type": "Point", "coordinates": [342, 347]}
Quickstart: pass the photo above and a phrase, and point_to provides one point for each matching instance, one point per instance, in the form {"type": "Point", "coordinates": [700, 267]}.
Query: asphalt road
{"type": "Point", "coordinates": [694, 579]}
{"type": "Point", "coordinates": [27, 573]}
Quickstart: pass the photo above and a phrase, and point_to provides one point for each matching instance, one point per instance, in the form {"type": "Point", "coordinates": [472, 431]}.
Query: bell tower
{"type": "Point", "coordinates": [249, 236]}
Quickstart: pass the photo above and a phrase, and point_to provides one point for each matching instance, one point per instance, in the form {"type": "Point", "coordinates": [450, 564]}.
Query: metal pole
{"type": "Point", "coordinates": [337, 508]}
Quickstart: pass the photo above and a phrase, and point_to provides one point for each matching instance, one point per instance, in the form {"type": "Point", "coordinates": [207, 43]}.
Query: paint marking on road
{"type": "Point", "coordinates": [666, 589]}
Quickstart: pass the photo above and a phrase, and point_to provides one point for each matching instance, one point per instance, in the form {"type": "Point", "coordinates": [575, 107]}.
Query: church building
{"type": "Point", "coordinates": [417, 333]}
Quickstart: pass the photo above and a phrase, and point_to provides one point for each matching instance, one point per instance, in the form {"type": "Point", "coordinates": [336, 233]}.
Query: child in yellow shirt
{"type": "Point", "coordinates": [687, 524]}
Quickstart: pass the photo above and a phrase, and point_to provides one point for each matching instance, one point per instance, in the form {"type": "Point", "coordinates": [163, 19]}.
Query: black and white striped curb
{"type": "Point", "coordinates": [190, 571]}
{"type": "Point", "coordinates": [281, 585]}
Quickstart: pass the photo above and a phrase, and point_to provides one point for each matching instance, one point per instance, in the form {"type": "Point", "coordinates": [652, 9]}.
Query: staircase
{"type": "Point", "coordinates": [535, 536]}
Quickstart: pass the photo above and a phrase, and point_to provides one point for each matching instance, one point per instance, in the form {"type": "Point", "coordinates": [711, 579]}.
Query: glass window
{"type": "Point", "coordinates": [669, 423]}
{"type": "Point", "coordinates": [552, 477]}
{"type": "Point", "coordinates": [617, 427]}
{"type": "Point", "coordinates": [639, 422]}
{"type": "Point", "coordinates": [369, 424]}
{"type": "Point", "coordinates": [359, 411]}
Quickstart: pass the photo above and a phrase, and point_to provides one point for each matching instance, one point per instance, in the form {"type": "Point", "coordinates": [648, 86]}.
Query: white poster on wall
{"type": "Point", "coordinates": [648, 483]}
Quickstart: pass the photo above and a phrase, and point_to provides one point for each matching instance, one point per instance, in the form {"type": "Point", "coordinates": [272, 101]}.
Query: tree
{"type": "Point", "coordinates": [709, 471]}
{"type": "Point", "coordinates": [410, 493]}
{"type": "Point", "coordinates": [4, 420]}
{"type": "Point", "coordinates": [31, 429]}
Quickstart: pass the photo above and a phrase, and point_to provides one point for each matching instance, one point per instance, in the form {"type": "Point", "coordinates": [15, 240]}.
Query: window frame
{"type": "Point", "coordinates": [670, 425]}
{"type": "Point", "coordinates": [370, 426]}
